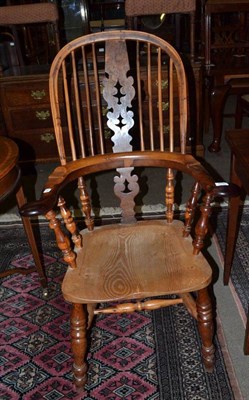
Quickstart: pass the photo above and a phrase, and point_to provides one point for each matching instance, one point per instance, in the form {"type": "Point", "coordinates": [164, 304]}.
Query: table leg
{"type": "Point", "coordinates": [31, 239]}
{"type": "Point", "coordinates": [232, 224]}
{"type": "Point", "coordinates": [217, 103]}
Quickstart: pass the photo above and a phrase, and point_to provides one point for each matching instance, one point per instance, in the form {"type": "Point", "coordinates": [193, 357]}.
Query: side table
{"type": "Point", "coordinates": [238, 140]}
{"type": "Point", "coordinates": [10, 182]}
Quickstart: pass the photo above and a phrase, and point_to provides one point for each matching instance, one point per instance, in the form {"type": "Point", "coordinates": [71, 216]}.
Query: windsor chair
{"type": "Point", "coordinates": [129, 265]}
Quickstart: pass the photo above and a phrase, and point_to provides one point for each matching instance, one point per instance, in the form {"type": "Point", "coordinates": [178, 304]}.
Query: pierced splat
{"type": "Point", "coordinates": [126, 188]}
{"type": "Point", "coordinates": [118, 92]}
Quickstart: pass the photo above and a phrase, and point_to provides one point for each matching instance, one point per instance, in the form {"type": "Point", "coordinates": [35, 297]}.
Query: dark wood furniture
{"type": "Point", "coordinates": [242, 109]}
{"type": "Point", "coordinates": [34, 32]}
{"type": "Point", "coordinates": [128, 265]}
{"type": "Point", "coordinates": [10, 182]}
{"type": "Point", "coordinates": [185, 42]}
{"type": "Point", "coordinates": [226, 57]}
{"type": "Point", "coordinates": [24, 97]}
{"type": "Point", "coordinates": [238, 140]}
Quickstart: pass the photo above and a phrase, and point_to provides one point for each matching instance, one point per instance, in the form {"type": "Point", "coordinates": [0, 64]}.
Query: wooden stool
{"type": "Point", "coordinates": [10, 182]}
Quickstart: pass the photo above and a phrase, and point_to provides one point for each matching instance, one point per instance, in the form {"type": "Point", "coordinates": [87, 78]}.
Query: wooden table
{"type": "Point", "coordinates": [238, 141]}
{"type": "Point", "coordinates": [226, 59]}
{"type": "Point", "coordinates": [10, 182]}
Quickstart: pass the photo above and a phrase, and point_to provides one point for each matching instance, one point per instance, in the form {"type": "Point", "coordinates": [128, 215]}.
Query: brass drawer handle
{"type": "Point", "coordinates": [47, 137]}
{"type": "Point", "coordinates": [42, 115]}
{"type": "Point", "coordinates": [38, 94]}
{"type": "Point", "coordinates": [104, 111]}
{"type": "Point", "coordinates": [165, 105]}
{"type": "Point", "coordinates": [164, 83]}
{"type": "Point", "coordinates": [165, 129]}
{"type": "Point", "coordinates": [108, 133]}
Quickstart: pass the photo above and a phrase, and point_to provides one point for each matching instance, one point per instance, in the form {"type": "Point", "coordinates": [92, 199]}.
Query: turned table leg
{"type": "Point", "coordinates": [217, 102]}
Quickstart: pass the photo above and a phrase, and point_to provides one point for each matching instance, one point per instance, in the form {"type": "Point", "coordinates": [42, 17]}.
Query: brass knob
{"type": "Point", "coordinates": [38, 94]}
{"type": "Point", "coordinates": [42, 115]}
{"type": "Point", "coordinates": [47, 137]}
{"type": "Point", "coordinates": [164, 83]}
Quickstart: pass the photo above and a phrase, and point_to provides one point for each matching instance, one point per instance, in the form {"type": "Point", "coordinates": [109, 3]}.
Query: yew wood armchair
{"type": "Point", "coordinates": [129, 265]}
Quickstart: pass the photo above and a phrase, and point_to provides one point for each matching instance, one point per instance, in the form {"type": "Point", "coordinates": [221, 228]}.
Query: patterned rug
{"type": "Point", "coordinates": [137, 356]}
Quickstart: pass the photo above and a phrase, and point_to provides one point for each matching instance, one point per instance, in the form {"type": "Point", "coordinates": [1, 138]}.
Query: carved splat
{"type": "Point", "coordinates": [126, 188]}
{"type": "Point", "coordinates": [118, 91]}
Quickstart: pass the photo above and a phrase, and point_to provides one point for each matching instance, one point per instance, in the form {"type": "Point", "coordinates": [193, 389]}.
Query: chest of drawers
{"type": "Point", "coordinates": [27, 116]}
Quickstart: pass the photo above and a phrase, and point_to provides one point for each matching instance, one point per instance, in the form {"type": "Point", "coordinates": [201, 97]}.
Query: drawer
{"type": "Point", "coordinates": [32, 118]}
{"type": "Point", "coordinates": [37, 145]}
{"type": "Point", "coordinates": [20, 94]}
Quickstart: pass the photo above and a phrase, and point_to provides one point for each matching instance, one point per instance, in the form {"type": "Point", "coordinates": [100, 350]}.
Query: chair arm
{"type": "Point", "coordinates": [75, 169]}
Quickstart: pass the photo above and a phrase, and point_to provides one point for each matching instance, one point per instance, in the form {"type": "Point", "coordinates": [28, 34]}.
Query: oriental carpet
{"type": "Point", "coordinates": [137, 356]}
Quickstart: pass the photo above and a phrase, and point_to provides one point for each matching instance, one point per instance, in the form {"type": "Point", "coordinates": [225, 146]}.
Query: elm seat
{"type": "Point", "coordinates": [144, 270]}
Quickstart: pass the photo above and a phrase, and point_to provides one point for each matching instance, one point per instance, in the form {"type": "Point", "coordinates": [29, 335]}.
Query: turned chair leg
{"type": "Point", "coordinates": [79, 343]}
{"type": "Point", "coordinates": [206, 327]}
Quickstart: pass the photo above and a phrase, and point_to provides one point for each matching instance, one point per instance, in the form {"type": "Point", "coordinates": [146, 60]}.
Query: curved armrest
{"type": "Point", "coordinates": [75, 169]}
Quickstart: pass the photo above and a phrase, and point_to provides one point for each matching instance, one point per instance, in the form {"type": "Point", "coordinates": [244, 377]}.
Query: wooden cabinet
{"type": "Point", "coordinates": [27, 115]}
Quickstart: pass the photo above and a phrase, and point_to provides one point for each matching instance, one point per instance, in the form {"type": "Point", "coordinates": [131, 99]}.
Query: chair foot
{"type": "Point", "coordinates": [206, 328]}
{"type": "Point", "coordinates": [79, 344]}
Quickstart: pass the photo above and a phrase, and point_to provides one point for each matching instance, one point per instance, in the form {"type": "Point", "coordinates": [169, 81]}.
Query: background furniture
{"type": "Point", "coordinates": [26, 113]}
{"type": "Point", "coordinates": [24, 94]}
{"type": "Point", "coordinates": [238, 140]}
{"type": "Point", "coordinates": [34, 32]}
{"type": "Point", "coordinates": [242, 109]}
{"type": "Point", "coordinates": [10, 182]}
{"type": "Point", "coordinates": [183, 38]}
{"type": "Point", "coordinates": [129, 262]}
{"type": "Point", "coordinates": [135, 9]}
{"type": "Point", "coordinates": [226, 57]}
